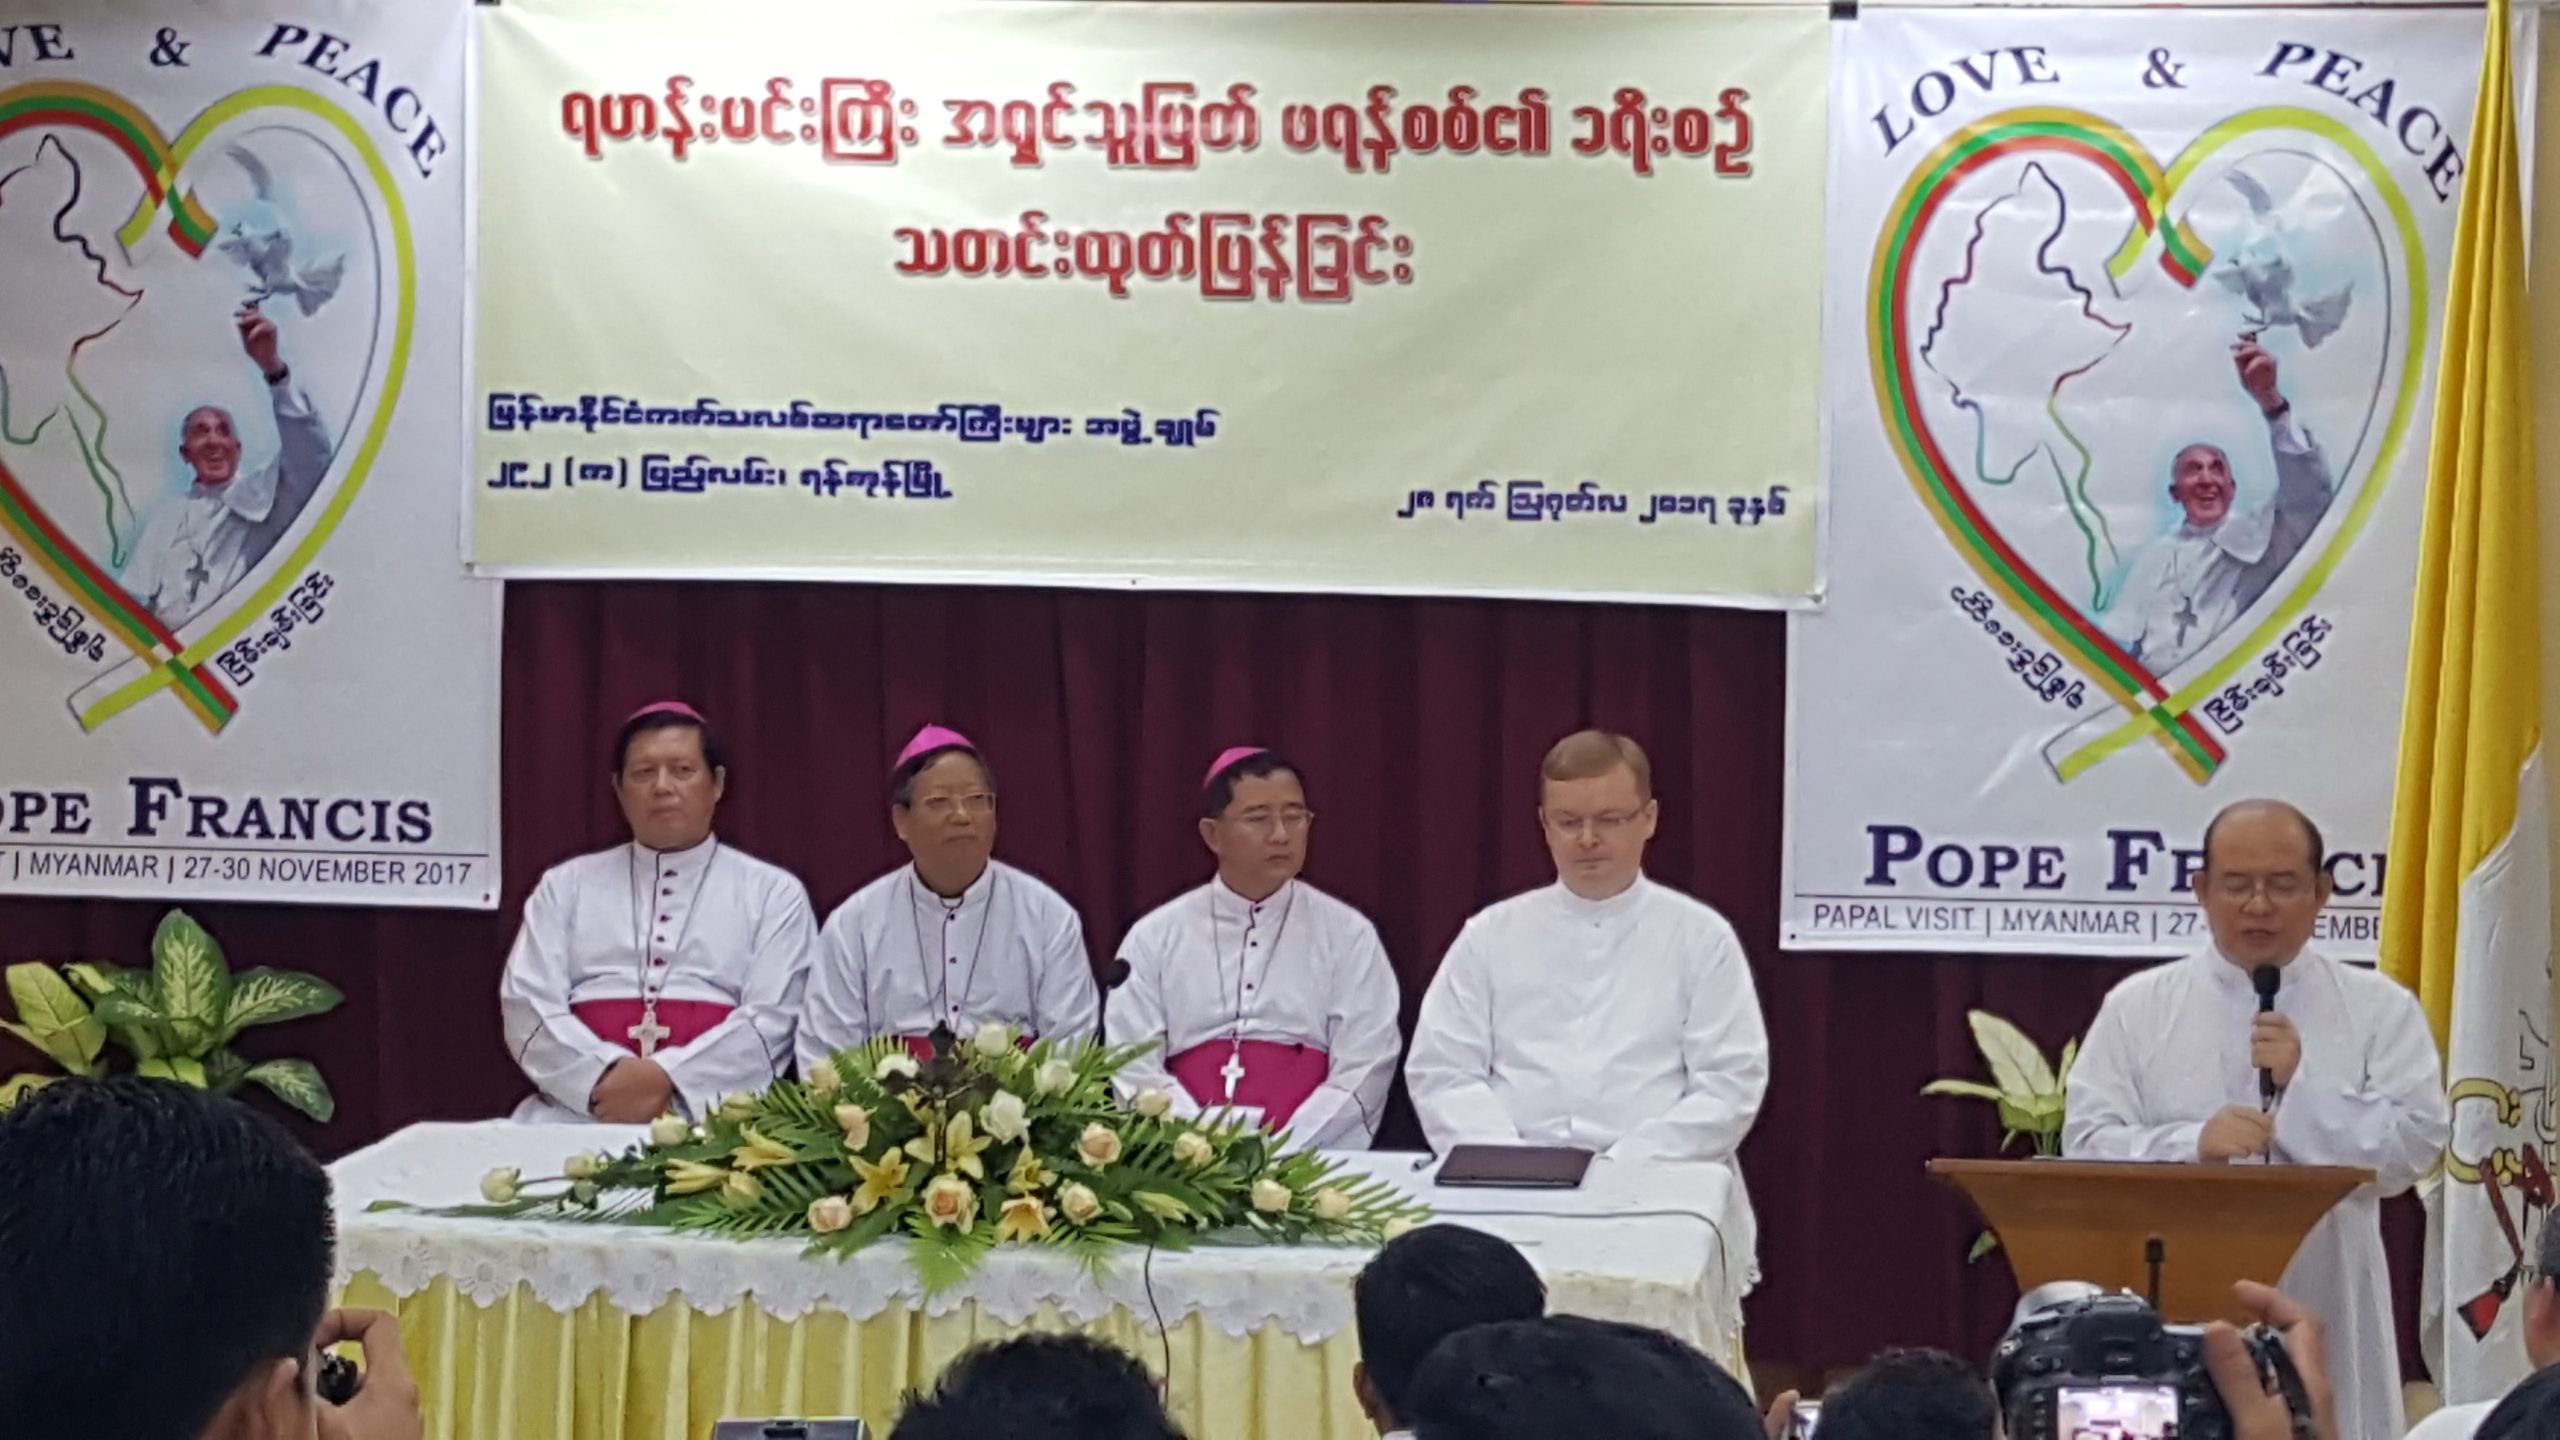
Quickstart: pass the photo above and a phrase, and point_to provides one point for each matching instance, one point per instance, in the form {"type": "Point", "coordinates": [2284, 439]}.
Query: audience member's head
{"type": "Point", "coordinates": [1425, 1286]}
{"type": "Point", "coordinates": [1039, 1387]}
{"type": "Point", "coordinates": [2531, 1411]}
{"type": "Point", "coordinates": [1911, 1395]}
{"type": "Point", "coordinates": [164, 1265]}
{"type": "Point", "coordinates": [1565, 1375]}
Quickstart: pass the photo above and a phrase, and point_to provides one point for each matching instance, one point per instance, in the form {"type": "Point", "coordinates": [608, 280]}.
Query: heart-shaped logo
{"type": "Point", "coordinates": [2042, 283]}
{"type": "Point", "coordinates": [204, 347]}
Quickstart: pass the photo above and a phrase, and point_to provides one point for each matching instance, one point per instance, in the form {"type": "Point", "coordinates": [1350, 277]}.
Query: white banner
{"type": "Point", "coordinates": [2129, 369]}
{"type": "Point", "coordinates": [242, 660]}
{"type": "Point", "coordinates": [1420, 299]}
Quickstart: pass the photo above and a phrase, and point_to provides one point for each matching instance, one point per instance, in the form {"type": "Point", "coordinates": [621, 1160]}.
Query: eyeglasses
{"type": "Point", "coordinates": [940, 807]}
{"type": "Point", "coordinates": [1284, 822]}
{"type": "Point", "coordinates": [1606, 825]}
{"type": "Point", "coordinates": [2281, 889]}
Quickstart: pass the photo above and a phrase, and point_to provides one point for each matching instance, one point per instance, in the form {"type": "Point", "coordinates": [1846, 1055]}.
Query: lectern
{"type": "Point", "coordinates": [2181, 1235]}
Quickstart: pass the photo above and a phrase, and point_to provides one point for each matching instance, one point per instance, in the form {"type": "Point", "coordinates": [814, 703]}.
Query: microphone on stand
{"type": "Point", "coordinates": [2266, 980]}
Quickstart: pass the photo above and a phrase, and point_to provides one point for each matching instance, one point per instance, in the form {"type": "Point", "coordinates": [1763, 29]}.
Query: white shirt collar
{"type": "Point", "coordinates": [1616, 906]}
{"type": "Point", "coordinates": [697, 848]}
{"type": "Point", "coordinates": [1223, 896]}
{"type": "Point", "coordinates": [2235, 979]}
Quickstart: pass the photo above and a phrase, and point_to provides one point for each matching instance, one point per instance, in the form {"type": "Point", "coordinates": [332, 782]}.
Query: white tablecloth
{"type": "Point", "coordinates": [1665, 1246]}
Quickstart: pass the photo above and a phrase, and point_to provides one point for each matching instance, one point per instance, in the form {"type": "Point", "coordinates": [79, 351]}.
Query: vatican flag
{"type": "Point", "coordinates": [2467, 916]}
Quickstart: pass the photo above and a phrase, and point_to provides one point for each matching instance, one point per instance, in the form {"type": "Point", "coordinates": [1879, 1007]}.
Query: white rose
{"type": "Point", "coordinates": [500, 1186]}
{"type": "Point", "coordinates": [830, 1213]}
{"type": "Point", "coordinates": [993, 1039]}
{"type": "Point", "coordinates": [740, 1107]}
{"type": "Point", "coordinates": [583, 1167]}
{"type": "Point", "coordinates": [1152, 1103]}
{"type": "Point", "coordinates": [741, 1190]}
{"type": "Point", "coordinates": [1193, 1149]}
{"type": "Point", "coordinates": [1054, 1077]}
{"type": "Point", "coordinates": [1006, 1118]}
{"type": "Point", "coordinates": [1332, 1204]}
{"type": "Point", "coordinates": [950, 1203]}
{"type": "Point", "coordinates": [668, 1130]}
{"type": "Point", "coordinates": [855, 1122]}
{"type": "Point", "coordinates": [584, 1192]}
{"type": "Point", "coordinates": [896, 1062]}
{"type": "Point", "coordinates": [1400, 1227]}
{"type": "Point", "coordinates": [1099, 1145]}
{"type": "Point", "coordinates": [1079, 1204]}
{"type": "Point", "coordinates": [1270, 1196]}
{"type": "Point", "coordinates": [824, 1079]}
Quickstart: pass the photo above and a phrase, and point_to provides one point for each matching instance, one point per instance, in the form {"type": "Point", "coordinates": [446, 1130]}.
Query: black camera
{"type": "Point", "coordinates": [2079, 1364]}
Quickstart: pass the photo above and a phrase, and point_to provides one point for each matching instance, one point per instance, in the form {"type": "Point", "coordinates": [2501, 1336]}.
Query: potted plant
{"type": "Point", "coordinates": [173, 1021]}
{"type": "Point", "coordinates": [2027, 1088]}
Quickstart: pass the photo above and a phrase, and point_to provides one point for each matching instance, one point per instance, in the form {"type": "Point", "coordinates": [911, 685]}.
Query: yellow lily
{"type": "Point", "coordinates": [961, 1147]}
{"type": "Point", "coordinates": [881, 1179]}
{"type": "Point", "coordinates": [759, 1152]}
{"type": "Point", "coordinates": [691, 1177]}
{"type": "Point", "coordinates": [1028, 1174]}
{"type": "Point", "coordinates": [1023, 1218]}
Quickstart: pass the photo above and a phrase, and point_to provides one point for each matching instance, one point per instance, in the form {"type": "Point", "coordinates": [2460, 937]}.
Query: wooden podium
{"type": "Point", "coordinates": [2097, 1221]}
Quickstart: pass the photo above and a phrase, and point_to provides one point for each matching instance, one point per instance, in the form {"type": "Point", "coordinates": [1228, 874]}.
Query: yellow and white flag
{"type": "Point", "coordinates": [2467, 917]}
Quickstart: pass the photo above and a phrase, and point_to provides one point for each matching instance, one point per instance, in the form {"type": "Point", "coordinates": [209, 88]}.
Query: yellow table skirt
{"type": "Point", "coordinates": [520, 1370]}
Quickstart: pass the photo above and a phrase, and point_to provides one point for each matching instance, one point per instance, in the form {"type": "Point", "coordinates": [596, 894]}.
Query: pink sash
{"type": "Point", "coordinates": [685, 1020]}
{"type": "Point", "coordinates": [1277, 1078]}
{"type": "Point", "coordinates": [921, 1046]}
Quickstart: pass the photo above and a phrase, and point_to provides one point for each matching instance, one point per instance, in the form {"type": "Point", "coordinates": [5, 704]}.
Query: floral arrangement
{"type": "Point", "coordinates": [175, 1021]}
{"type": "Point", "coordinates": [984, 1144]}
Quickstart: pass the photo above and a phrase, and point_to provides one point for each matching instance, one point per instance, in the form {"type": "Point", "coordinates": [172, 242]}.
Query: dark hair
{"type": "Point", "coordinates": [157, 1245]}
{"type": "Point", "coordinates": [1565, 1375]}
{"type": "Point", "coordinates": [2531, 1411]}
{"type": "Point", "coordinates": [1911, 1395]}
{"type": "Point", "coordinates": [1221, 790]}
{"type": "Point", "coordinates": [714, 754]}
{"type": "Point", "coordinates": [2310, 836]}
{"type": "Point", "coordinates": [1039, 1387]}
{"type": "Point", "coordinates": [1427, 1285]}
{"type": "Point", "coordinates": [902, 781]}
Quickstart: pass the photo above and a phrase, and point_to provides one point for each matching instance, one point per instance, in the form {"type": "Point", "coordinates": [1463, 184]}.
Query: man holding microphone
{"type": "Point", "coordinates": [2259, 1049]}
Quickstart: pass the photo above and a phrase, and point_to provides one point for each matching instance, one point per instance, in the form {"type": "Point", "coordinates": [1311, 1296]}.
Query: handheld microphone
{"type": "Point", "coordinates": [2266, 980]}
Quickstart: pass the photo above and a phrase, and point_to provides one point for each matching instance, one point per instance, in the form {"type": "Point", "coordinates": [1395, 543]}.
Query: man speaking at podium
{"type": "Point", "coordinates": [2336, 1067]}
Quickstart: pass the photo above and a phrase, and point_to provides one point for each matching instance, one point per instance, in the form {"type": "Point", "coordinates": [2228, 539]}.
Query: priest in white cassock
{"type": "Point", "coordinates": [658, 976]}
{"type": "Point", "coordinates": [2171, 1071]}
{"type": "Point", "coordinates": [958, 938]}
{"type": "Point", "coordinates": [1265, 994]}
{"type": "Point", "coordinates": [1604, 1011]}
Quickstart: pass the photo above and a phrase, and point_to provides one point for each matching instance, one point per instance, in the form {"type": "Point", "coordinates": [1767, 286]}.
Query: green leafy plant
{"type": "Point", "coordinates": [2026, 1087]}
{"type": "Point", "coordinates": [175, 1020]}
{"type": "Point", "coordinates": [982, 1144]}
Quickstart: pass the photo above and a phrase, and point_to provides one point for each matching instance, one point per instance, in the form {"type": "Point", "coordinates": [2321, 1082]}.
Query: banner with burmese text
{"type": "Point", "coordinates": [239, 657]}
{"type": "Point", "coordinates": [1425, 299]}
{"type": "Point", "coordinates": [2133, 333]}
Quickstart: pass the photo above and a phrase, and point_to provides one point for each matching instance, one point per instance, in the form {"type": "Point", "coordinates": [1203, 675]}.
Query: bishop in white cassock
{"type": "Point", "coordinates": [958, 938]}
{"type": "Point", "coordinates": [661, 975]}
{"type": "Point", "coordinates": [2170, 1071]}
{"type": "Point", "coordinates": [1265, 994]}
{"type": "Point", "coordinates": [1604, 1011]}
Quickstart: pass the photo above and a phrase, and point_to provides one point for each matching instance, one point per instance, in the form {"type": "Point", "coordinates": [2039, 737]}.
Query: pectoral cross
{"type": "Point", "coordinates": [196, 576]}
{"type": "Point", "coordinates": [2186, 617]}
{"type": "Point", "coordinates": [1233, 1071]}
{"type": "Point", "coordinates": [649, 1032]}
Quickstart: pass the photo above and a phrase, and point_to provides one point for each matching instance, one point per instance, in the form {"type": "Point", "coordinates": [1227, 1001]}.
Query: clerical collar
{"type": "Point", "coordinates": [1224, 895]}
{"type": "Point", "coordinates": [2229, 975]}
{"type": "Point", "coordinates": [927, 895]}
{"type": "Point", "coordinates": [1616, 905]}
{"type": "Point", "coordinates": [698, 847]}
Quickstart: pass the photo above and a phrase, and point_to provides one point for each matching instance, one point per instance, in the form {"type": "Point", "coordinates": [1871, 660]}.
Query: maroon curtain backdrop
{"type": "Point", "coordinates": [1419, 724]}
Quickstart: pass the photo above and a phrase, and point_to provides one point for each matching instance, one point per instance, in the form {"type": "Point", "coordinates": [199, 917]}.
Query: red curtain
{"type": "Point", "coordinates": [1419, 724]}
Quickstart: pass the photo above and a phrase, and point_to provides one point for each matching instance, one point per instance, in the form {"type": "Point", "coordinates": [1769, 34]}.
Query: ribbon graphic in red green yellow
{"type": "Point", "coordinates": [2072, 134]}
